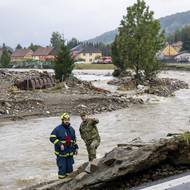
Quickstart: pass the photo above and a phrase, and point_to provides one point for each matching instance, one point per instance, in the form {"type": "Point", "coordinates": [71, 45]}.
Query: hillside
{"type": "Point", "coordinates": [106, 38]}
{"type": "Point", "coordinates": [169, 23]}
{"type": "Point", "coordinates": [176, 21]}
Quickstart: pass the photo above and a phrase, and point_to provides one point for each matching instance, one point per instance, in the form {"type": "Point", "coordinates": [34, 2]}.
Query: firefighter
{"type": "Point", "coordinates": [64, 140]}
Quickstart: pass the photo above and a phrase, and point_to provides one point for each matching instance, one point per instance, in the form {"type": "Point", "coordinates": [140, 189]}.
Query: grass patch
{"type": "Point", "coordinates": [95, 66]}
{"type": "Point", "coordinates": [178, 66]}
{"type": "Point", "coordinates": [54, 89]}
{"type": "Point", "coordinates": [186, 137]}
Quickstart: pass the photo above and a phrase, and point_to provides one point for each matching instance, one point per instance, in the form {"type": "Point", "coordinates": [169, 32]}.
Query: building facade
{"type": "Point", "coordinates": [20, 55]}
{"type": "Point", "coordinates": [44, 54]}
{"type": "Point", "coordinates": [86, 53]}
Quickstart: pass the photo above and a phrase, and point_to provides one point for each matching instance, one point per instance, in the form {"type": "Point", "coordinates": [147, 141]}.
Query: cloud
{"type": "Point", "coordinates": [24, 21]}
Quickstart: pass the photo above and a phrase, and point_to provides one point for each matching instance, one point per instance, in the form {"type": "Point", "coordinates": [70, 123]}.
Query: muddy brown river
{"type": "Point", "coordinates": [26, 155]}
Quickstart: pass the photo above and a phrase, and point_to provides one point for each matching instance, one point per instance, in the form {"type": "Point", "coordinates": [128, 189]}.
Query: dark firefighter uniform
{"type": "Point", "coordinates": [64, 135]}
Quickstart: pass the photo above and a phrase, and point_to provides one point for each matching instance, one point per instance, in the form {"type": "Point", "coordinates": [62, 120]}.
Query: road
{"type": "Point", "coordinates": [178, 182]}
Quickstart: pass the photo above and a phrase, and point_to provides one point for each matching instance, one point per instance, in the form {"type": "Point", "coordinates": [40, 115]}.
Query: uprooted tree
{"type": "Point", "coordinates": [138, 41]}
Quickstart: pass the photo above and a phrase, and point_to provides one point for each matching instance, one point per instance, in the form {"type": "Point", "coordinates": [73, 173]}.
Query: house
{"type": "Point", "coordinates": [86, 53]}
{"type": "Point", "coordinates": [183, 57]}
{"type": "Point", "coordinates": [167, 54]}
{"type": "Point", "coordinates": [44, 54]}
{"type": "Point", "coordinates": [21, 55]}
{"type": "Point", "coordinates": [169, 51]}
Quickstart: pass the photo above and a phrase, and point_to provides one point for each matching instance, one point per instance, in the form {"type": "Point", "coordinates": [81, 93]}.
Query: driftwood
{"type": "Point", "coordinates": [127, 162]}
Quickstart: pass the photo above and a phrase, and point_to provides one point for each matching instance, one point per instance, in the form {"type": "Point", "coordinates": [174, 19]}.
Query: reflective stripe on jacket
{"type": "Point", "coordinates": [64, 135]}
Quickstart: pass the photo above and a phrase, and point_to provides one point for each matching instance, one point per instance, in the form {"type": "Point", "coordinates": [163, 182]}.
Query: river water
{"type": "Point", "coordinates": [27, 155]}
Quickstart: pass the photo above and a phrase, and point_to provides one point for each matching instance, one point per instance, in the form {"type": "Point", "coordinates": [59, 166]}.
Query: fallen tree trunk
{"type": "Point", "coordinates": [129, 165]}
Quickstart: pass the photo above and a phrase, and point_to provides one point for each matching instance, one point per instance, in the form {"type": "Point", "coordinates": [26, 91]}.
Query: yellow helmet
{"type": "Point", "coordinates": [65, 116]}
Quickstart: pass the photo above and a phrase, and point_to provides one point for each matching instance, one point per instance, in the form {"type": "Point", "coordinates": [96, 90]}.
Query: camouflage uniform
{"type": "Point", "coordinates": [89, 133]}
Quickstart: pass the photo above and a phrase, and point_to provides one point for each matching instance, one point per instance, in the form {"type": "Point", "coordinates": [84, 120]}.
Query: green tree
{"type": "Point", "coordinates": [181, 35]}
{"type": "Point", "coordinates": [117, 58]}
{"type": "Point", "coordinates": [56, 41]}
{"type": "Point", "coordinates": [139, 39]}
{"type": "Point", "coordinates": [104, 48]}
{"type": "Point", "coordinates": [72, 43]}
{"type": "Point", "coordinates": [33, 47]}
{"type": "Point", "coordinates": [18, 46]}
{"type": "Point", "coordinates": [64, 63]}
{"type": "Point", "coordinates": [185, 38]}
{"type": "Point", "coordinates": [5, 57]}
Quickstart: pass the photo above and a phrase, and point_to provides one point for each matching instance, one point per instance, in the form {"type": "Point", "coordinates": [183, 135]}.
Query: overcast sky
{"type": "Point", "coordinates": [26, 21]}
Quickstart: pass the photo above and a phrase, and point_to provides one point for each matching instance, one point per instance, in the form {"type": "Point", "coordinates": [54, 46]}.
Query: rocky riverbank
{"type": "Point", "coordinates": [73, 96]}
{"type": "Point", "coordinates": [159, 86]}
{"type": "Point", "coordinates": [129, 165]}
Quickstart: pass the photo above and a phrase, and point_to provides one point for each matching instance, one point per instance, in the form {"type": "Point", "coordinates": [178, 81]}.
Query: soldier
{"type": "Point", "coordinates": [89, 133]}
{"type": "Point", "coordinates": [64, 139]}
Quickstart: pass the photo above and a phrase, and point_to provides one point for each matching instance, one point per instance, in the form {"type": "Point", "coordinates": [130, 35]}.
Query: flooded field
{"type": "Point", "coordinates": [27, 155]}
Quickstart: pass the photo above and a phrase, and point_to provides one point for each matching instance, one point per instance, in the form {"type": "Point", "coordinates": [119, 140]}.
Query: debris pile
{"type": "Point", "coordinates": [165, 87]}
{"type": "Point", "coordinates": [37, 81]}
{"type": "Point", "coordinates": [20, 97]}
{"type": "Point", "coordinates": [105, 104]}
{"type": "Point", "coordinates": [161, 87]}
{"type": "Point", "coordinates": [84, 87]}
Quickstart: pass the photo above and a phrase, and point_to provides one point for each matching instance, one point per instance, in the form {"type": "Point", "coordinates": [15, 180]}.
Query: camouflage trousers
{"type": "Point", "coordinates": [91, 149]}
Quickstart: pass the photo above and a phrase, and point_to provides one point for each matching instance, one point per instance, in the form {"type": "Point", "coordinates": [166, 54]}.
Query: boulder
{"type": "Point", "coordinates": [130, 165]}
{"type": "Point", "coordinates": [122, 161]}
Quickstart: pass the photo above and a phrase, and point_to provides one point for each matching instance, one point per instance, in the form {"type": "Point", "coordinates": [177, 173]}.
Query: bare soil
{"type": "Point", "coordinates": [73, 96]}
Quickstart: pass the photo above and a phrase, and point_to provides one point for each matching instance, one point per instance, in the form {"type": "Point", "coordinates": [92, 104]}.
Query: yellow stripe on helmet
{"type": "Point", "coordinates": [65, 116]}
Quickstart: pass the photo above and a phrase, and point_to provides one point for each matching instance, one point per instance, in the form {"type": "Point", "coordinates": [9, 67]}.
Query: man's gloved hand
{"type": "Point", "coordinates": [76, 152]}
{"type": "Point", "coordinates": [62, 147]}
